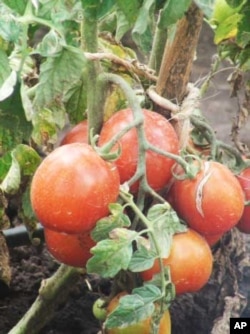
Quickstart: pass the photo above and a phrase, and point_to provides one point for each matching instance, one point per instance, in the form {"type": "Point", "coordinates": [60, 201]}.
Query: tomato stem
{"type": "Point", "coordinates": [53, 292]}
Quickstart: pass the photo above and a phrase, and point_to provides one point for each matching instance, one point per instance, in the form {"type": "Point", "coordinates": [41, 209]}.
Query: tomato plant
{"type": "Point", "coordinates": [70, 249]}
{"type": "Point", "coordinates": [190, 262]}
{"type": "Point", "coordinates": [158, 131]}
{"type": "Point", "coordinates": [72, 188]}
{"type": "Point", "coordinates": [210, 203]}
{"type": "Point", "coordinates": [244, 180]}
{"type": "Point", "coordinates": [142, 327]}
{"type": "Point", "coordinates": [78, 134]}
{"type": "Point", "coordinates": [103, 207]}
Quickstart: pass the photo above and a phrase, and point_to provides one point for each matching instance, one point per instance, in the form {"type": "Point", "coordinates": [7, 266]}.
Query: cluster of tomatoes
{"type": "Point", "coordinates": [73, 187]}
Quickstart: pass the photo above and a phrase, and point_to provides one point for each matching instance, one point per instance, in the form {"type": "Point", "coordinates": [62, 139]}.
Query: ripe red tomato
{"type": "Point", "coordinates": [159, 132]}
{"type": "Point", "coordinates": [72, 189]}
{"type": "Point", "coordinates": [212, 239]}
{"type": "Point", "coordinates": [78, 134]}
{"type": "Point", "coordinates": [244, 180]}
{"type": "Point", "coordinates": [142, 327]}
{"type": "Point", "coordinates": [190, 262]}
{"type": "Point", "coordinates": [210, 203]}
{"type": "Point", "coordinates": [70, 249]}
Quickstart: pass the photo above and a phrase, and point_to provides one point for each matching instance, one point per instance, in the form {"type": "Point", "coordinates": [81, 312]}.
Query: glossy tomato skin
{"type": "Point", "coordinates": [159, 132]}
{"type": "Point", "coordinates": [78, 134]}
{"type": "Point", "coordinates": [142, 327]}
{"type": "Point", "coordinates": [190, 262]}
{"type": "Point", "coordinates": [244, 180]}
{"type": "Point", "coordinates": [70, 249]}
{"type": "Point", "coordinates": [72, 189]}
{"type": "Point", "coordinates": [210, 203]}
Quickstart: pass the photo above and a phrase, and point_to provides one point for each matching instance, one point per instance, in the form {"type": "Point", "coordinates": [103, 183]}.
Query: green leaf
{"type": "Point", "coordinates": [17, 6]}
{"type": "Point", "coordinates": [5, 69]}
{"type": "Point", "coordinates": [58, 76]}
{"type": "Point", "coordinates": [130, 310]}
{"type": "Point", "coordinates": [111, 256]}
{"type": "Point", "coordinates": [142, 32]}
{"type": "Point", "coordinates": [24, 162]}
{"type": "Point", "coordinates": [235, 3]}
{"type": "Point", "coordinates": [172, 12]}
{"type": "Point", "coordinates": [244, 59]}
{"type": "Point", "coordinates": [10, 29]}
{"type": "Point", "coordinates": [243, 35]}
{"type": "Point", "coordinates": [97, 9]}
{"type": "Point", "coordinates": [50, 45]}
{"type": "Point", "coordinates": [8, 86]}
{"type": "Point", "coordinates": [165, 224]}
{"type": "Point", "coordinates": [14, 128]}
{"type": "Point", "coordinates": [130, 9]}
{"type": "Point", "coordinates": [227, 29]}
{"type": "Point", "coordinates": [149, 293]}
{"type": "Point", "coordinates": [207, 6]}
{"type": "Point", "coordinates": [105, 225]}
{"type": "Point", "coordinates": [11, 182]}
{"type": "Point", "coordinates": [142, 259]}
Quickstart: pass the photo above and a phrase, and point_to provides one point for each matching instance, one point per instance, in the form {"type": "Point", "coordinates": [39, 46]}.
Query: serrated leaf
{"type": "Point", "coordinates": [58, 76]}
{"type": "Point", "coordinates": [105, 225]}
{"type": "Point", "coordinates": [142, 259]}
{"type": "Point", "coordinates": [110, 256]}
{"type": "Point", "coordinates": [131, 310]}
{"type": "Point", "coordinates": [11, 182]}
{"type": "Point", "coordinates": [244, 59]}
{"type": "Point", "coordinates": [165, 224]}
{"type": "Point", "coordinates": [149, 293]}
{"type": "Point", "coordinates": [172, 12]}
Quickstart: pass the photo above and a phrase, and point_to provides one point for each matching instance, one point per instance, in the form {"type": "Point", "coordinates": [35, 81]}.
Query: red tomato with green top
{"type": "Point", "coordinates": [212, 202]}
{"type": "Point", "coordinates": [72, 189]}
{"type": "Point", "coordinates": [158, 131]}
{"type": "Point", "coordinates": [70, 249]}
{"type": "Point", "coordinates": [244, 180]}
{"type": "Point", "coordinates": [190, 262]}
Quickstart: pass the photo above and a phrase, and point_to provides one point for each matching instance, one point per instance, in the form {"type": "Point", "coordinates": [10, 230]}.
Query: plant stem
{"type": "Point", "coordinates": [178, 56]}
{"type": "Point", "coordinates": [53, 292]}
{"type": "Point", "coordinates": [95, 93]}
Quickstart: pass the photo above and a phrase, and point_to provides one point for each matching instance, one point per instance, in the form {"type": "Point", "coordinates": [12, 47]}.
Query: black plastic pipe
{"type": "Point", "coordinates": [18, 236]}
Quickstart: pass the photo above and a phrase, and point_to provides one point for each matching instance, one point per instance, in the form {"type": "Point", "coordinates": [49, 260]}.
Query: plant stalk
{"type": "Point", "coordinates": [53, 292]}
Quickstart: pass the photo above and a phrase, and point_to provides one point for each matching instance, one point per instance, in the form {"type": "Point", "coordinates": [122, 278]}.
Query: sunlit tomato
{"type": "Point", "coordinates": [78, 134]}
{"type": "Point", "coordinates": [70, 249]}
{"type": "Point", "coordinates": [142, 327]}
{"type": "Point", "coordinates": [190, 262]}
{"type": "Point", "coordinates": [244, 179]}
{"type": "Point", "coordinates": [72, 189]}
{"type": "Point", "coordinates": [159, 132]}
{"type": "Point", "coordinates": [210, 203]}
